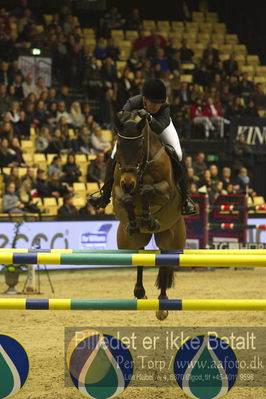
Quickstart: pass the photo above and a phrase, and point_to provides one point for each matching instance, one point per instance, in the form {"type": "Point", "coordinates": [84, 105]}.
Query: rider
{"type": "Point", "coordinates": [152, 104]}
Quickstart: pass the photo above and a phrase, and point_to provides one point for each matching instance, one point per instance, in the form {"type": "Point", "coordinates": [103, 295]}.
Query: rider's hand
{"type": "Point", "coordinates": [145, 114]}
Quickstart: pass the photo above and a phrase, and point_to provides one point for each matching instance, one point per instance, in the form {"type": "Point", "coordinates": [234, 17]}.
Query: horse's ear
{"type": "Point", "coordinates": [141, 124]}
{"type": "Point", "coordinates": [118, 123]}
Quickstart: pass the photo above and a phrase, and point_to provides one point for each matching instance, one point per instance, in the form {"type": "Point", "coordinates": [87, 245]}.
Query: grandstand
{"type": "Point", "coordinates": [67, 103]}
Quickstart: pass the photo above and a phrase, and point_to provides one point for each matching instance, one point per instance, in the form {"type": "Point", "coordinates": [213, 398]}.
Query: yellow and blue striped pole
{"type": "Point", "coordinates": [137, 259]}
{"type": "Point", "coordinates": [134, 304]}
{"type": "Point", "coordinates": [141, 251]}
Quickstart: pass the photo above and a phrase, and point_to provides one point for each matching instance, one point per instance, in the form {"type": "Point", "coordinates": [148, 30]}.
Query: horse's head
{"type": "Point", "coordinates": [130, 154]}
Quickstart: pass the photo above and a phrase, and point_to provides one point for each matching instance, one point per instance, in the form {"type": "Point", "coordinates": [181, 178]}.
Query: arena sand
{"type": "Point", "coordinates": [42, 332]}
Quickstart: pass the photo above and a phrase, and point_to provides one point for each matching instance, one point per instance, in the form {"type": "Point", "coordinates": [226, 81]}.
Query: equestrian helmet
{"type": "Point", "coordinates": [155, 91]}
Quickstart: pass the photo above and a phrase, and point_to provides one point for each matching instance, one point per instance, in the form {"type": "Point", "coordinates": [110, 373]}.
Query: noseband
{"type": "Point", "coordinates": [139, 169]}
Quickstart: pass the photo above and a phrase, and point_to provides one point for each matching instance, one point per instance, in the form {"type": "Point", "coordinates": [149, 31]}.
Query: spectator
{"type": "Point", "coordinates": [40, 86]}
{"type": "Point", "coordinates": [192, 178]}
{"type": "Point", "coordinates": [42, 140]}
{"type": "Point", "coordinates": [161, 59]}
{"type": "Point", "coordinates": [155, 37]}
{"type": "Point", "coordinates": [250, 110]}
{"type": "Point", "coordinates": [17, 83]}
{"type": "Point", "coordinates": [183, 93]}
{"type": "Point", "coordinates": [215, 114]}
{"type": "Point", "coordinates": [51, 114]}
{"type": "Point", "coordinates": [96, 170]}
{"type": "Point", "coordinates": [28, 86]}
{"type": "Point", "coordinates": [231, 65]}
{"type": "Point", "coordinates": [112, 50]}
{"type": "Point", "coordinates": [11, 202]}
{"type": "Point", "coordinates": [243, 154]}
{"type": "Point", "coordinates": [226, 177]}
{"type": "Point", "coordinates": [27, 195]}
{"type": "Point", "coordinates": [193, 189]}
{"type": "Point", "coordinates": [199, 164]}
{"type": "Point", "coordinates": [235, 109]}
{"type": "Point", "coordinates": [245, 86]}
{"type": "Point", "coordinates": [205, 180]}
{"type": "Point", "coordinates": [63, 112]}
{"type": "Point", "coordinates": [13, 178]}
{"type": "Point", "coordinates": [87, 210]}
{"type": "Point", "coordinates": [134, 62]}
{"type": "Point", "coordinates": [216, 191]}
{"type": "Point", "coordinates": [242, 181]}
{"type": "Point", "coordinates": [57, 143]}
{"type": "Point", "coordinates": [112, 20]}
{"type": "Point", "coordinates": [186, 53]}
{"type": "Point", "coordinates": [68, 209]}
{"type": "Point", "coordinates": [210, 50]}
{"type": "Point", "coordinates": [55, 166]}
{"type": "Point", "coordinates": [133, 20]}
{"type": "Point", "coordinates": [125, 88]}
{"type": "Point", "coordinates": [5, 78]}
{"type": "Point", "coordinates": [214, 173]}
{"type": "Point", "coordinates": [196, 114]}
{"type": "Point", "coordinates": [84, 140]}
{"type": "Point", "coordinates": [109, 73]}
{"type": "Point", "coordinates": [7, 158]}
{"type": "Point", "coordinates": [40, 113]}
{"type": "Point", "coordinates": [140, 43]}
{"type": "Point", "coordinates": [100, 51]}
{"type": "Point", "coordinates": [93, 78]}
{"type": "Point", "coordinates": [98, 141]}
{"type": "Point", "coordinates": [42, 184]}
{"type": "Point", "coordinates": [6, 130]}
{"type": "Point", "coordinates": [76, 115]}
{"type": "Point", "coordinates": [4, 100]}
{"type": "Point", "coordinates": [55, 186]}
{"type": "Point", "coordinates": [108, 109]}
{"type": "Point", "coordinates": [18, 153]}
{"type": "Point", "coordinates": [71, 170]}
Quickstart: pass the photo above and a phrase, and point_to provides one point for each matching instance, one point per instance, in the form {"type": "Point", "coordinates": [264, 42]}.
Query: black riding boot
{"type": "Point", "coordinates": [103, 200]}
{"type": "Point", "coordinates": [180, 173]}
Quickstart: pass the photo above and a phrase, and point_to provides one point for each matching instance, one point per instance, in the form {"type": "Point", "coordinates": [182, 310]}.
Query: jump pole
{"type": "Point", "coordinates": [181, 260]}
{"type": "Point", "coordinates": [134, 304]}
{"type": "Point", "coordinates": [133, 251]}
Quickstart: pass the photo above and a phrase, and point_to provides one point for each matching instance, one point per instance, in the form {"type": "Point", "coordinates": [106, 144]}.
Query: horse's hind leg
{"type": "Point", "coordinates": [139, 290]}
{"type": "Point", "coordinates": [165, 279]}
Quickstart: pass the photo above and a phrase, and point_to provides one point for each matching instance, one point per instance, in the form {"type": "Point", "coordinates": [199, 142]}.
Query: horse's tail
{"type": "Point", "coordinates": [165, 278]}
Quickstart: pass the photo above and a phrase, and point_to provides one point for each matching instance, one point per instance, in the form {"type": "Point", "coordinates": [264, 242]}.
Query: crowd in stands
{"type": "Point", "coordinates": [64, 126]}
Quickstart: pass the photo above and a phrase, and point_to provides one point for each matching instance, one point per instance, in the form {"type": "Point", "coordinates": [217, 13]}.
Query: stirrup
{"type": "Point", "coordinates": [189, 207]}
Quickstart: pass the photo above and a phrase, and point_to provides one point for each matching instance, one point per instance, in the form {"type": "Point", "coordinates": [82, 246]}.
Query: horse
{"type": "Point", "coordinates": [146, 200]}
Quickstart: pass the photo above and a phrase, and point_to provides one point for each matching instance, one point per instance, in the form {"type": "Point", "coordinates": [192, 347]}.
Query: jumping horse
{"type": "Point", "coordinates": [145, 197]}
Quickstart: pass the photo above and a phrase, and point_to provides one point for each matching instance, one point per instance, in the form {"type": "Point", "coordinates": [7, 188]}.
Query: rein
{"type": "Point", "coordinates": [144, 162]}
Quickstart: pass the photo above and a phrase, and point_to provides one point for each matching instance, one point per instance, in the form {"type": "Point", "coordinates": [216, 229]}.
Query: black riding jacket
{"type": "Point", "coordinates": [159, 121]}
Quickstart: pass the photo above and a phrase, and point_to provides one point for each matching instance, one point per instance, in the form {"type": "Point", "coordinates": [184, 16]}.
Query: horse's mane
{"type": "Point", "coordinates": [125, 116]}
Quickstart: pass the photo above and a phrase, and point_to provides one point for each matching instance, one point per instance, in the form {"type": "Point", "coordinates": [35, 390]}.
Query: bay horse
{"type": "Point", "coordinates": [145, 197]}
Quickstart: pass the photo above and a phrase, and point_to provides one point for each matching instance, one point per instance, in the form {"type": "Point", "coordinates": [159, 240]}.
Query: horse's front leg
{"type": "Point", "coordinates": [150, 192]}
{"type": "Point", "coordinates": [129, 205]}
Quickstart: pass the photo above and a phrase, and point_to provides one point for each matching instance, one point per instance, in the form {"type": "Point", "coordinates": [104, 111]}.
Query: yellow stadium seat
{"type": "Point", "coordinates": [50, 205]}
{"type": "Point", "coordinates": [198, 47]}
{"type": "Point", "coordinates": [204, 37]}
{"type": "Point", "coordinates": [178, 26]}
{"type": "Point", "coordinates": [163, 25]}
{"type": "Point", "coordinates": [259, 200]}
{"type": "Point", "coordinates": [22, 172]}
{"type": "Point", "coordinates": [120, 65]}
{"type": "Point", "coordinates": [212, 17]}
{"type": "Point", "coordinates": [224, 56]}
{"type": "Point", "coordinates": [88, 32]}
{"type": "Point", "coordinates": [81, 159]}
{"type": "Point", "coordinates": [26, 146]}
{"type": "Point", "coordinates": [241, 59]}
{"type": "Point", "coordinates": [79, 202]}
{"type": "Point", "coordinates": [219, 28]}
{"type": "Point", "coordinates": [240, 49]}
{"type": "Point", "coordinates": [80, 189]}
{"type": "Point", "coordinates": [253, 60]}
{"type": "Point", "coordinates": [107, 134]}
{"type": "Point", "coordinates": [189, 36]}
{"type": "Point", "coordinates": [259, 79]}
{"type": "Point", "coordinates": [225, 48]}
{"type": "Point", "coordinates": [186, 78]}
{"type": "Point", "coordinates": [131, 35]}
{"type": "Point", "coordinates": [50, 158]}
{"type": "Point", "coordinates": [92, 188]}
{"type": "Point", "coordinates": [205, 27]}
{"type": "Point", "coordinates": [39, 28]}
{"type": "Point", "coordinates": [231, 38]}
{"type": "Point", "coordinates": [90, 42]}
{"type": "Point", "coordinates": [192, 26]}
{"type": "Point", "coordinates": [260, 70]}
{"type": "Point", "coordinates": [177, 36]}
{"type": "Point", "coordinates": [198, 16]}
{"type": "Point", "coordinates": [91, 157]}
{"type": "Point", "coordinates": [60, 201]}
{"type": "Point", "coordinates": [109, 209]}
{"type": "Point", "coordinates": [218, 38]}
{"type": "Point", "coordinates": [247, 68]}
{"type": "Point", "coordinates": [48, 18]}
{"type": "Point", "coordinates": [28, 158]}
{"type": "Point", "coordinates": [117, 34]}
{"type": "Point", "coordinates": [148, 24]}
{"type": "Point", "coordinates": [6, 171]}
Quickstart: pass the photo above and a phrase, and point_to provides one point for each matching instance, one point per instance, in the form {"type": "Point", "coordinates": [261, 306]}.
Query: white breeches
{"type": "Point", "coordinates": [168, 136]}
{"type": "Point", "coordinates": [205, 121]}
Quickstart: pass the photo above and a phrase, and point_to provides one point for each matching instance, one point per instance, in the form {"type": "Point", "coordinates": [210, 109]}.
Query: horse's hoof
{"type": "Point", "coordinates": [150, 224]}
{"type": "Point", "coordinates": [132, 229]}
{"type": "Point", "coordinates": [162, 314]}
{"type": "Point", "coordinates": [147, 190]}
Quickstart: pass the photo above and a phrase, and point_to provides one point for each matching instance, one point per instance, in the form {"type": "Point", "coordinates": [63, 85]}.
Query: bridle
{"type": "Point", "coordinates": [144, 161]}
